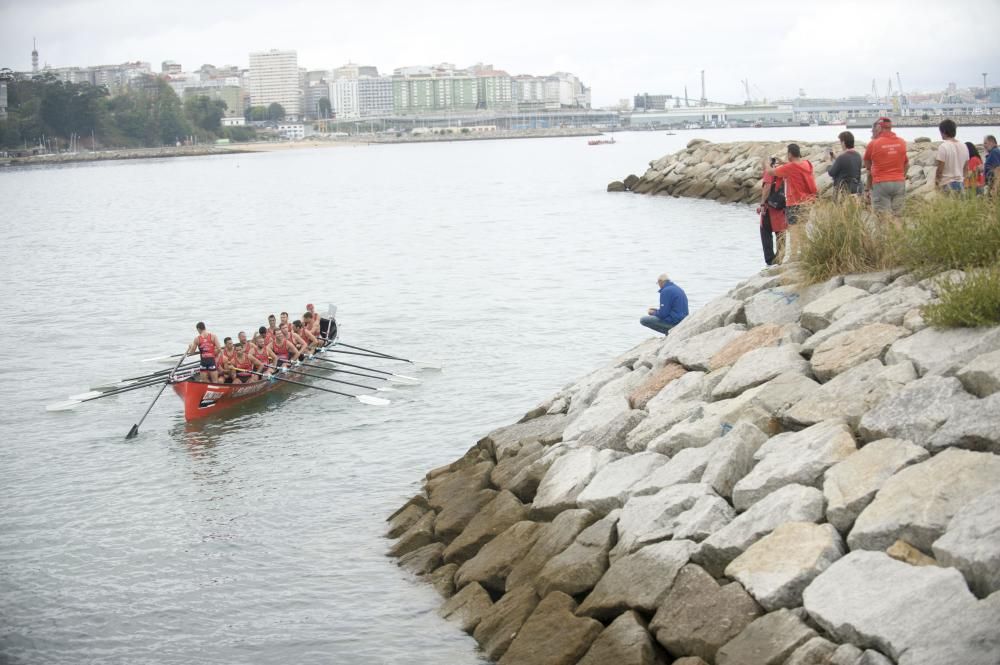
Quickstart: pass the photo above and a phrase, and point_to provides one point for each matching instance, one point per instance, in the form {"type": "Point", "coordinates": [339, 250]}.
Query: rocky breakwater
{"type": "Point", "coordinates": [731, 172]}
{"type": "Point", "coordinates": [795, 475]}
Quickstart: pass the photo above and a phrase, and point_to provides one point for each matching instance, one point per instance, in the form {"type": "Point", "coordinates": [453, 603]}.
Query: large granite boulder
{"type": "Point", "coordinates": [698, 616]}
{"type": "Point", "coordinates": [850, 348]}
{"type": "Point", "coordinates": [771, 334]}
{"type": "Point", "coordinates": [552, 635]}
{"type": "Point", "coordinates": [601, 412]}
{"type": "Point", "coordinates": [792, 503]}
{"type": "Point", "coordinates": [697, 430]}
{"type": "Point", "coordinates": [400, 523]}
{"type": "Point", "coordinates": [499, 514]}
{"type": "Point", "coordinates": [918, 502]}
{"type": "Point", "coordinates": [501, 623]}
{"type": "Point", "coordinates": [759, 366]}
{"type": "Point", "coordinates": [443, 579]}
{"type": "Point", "coordinates": [766, 279]}
{"type": "Point", "coordinates": [686, 466]}
{"type": "Point", "coordinates": [455, 516]}
{"type": "Point", "coordinates": [732, 458]}
{"type": "Point", "coordinates": [975, 425]}
{"type": "Point", "coordinates": [417, 536]}
{"type": "Point", "coordinates": [524, 484]}
{"type": "Point", "coordinates": [779, 304]}
{"type": "Point", "coordinates": [916, 615]}
{"type": "Point", "coordinates": [820, 312]}
{"type": "Point", "coordinates": [916, 411]}
{"type": "Point", "coordinates": [652, 518]}
{"type": "Point", "coordinates": [794, 458]}
{"type": "Point", "coordinates": [708, 514]}
{"type": "Point", "coordinates": [625, 642]}
{"type": "Point", "coordinates": [688, 387]}
{"type": "Point", "coordinates": [695, 353]}
{"type": "Point", "coordinates": [638, 581]}
{"type": "Point", "coordinates": [655, 381]}
{"type": "Point", "coordinates": [580, 566]}
{"type": "Point", "coordinates": [815, 651]}
{"type": "Point", "coordinates": [850, 395]}
{"type": "Point", "coordinates": [422, 560]}
{"type": "Point", "coordinates": [661, 421]}
{"type": "Point", "coordinates": [467, 607]}
{"type": "Point", "coordinates": [778, 567]}
{"type": "Point", "coordinates": [849, 486]}
{"type": "Point", "coordinates": [506, 441]}
{"type": "Point", "coordinates": [889, 306]}
{"type": "Point", "coordinates": [981, 376]}
{"type": "Point", "coordinates": [612, 434]}
{"type": "Point", "coordinates": [507, 469]}
{"type": "Point", "coordinates": [459, 486]}
{"type": "Point", "coordinates": [769, 640]}
{"type": "Point", "coordinates": [491, 565]}
{"type": "Point", "coordinates": [944, 351]}
{"type": "Point", "coordinates": [971, 543]}
{"type": "Point", "coordinates": [716, 313]}
{"type": "Point", "coordinates": [567, 477]}
{"type": "Point", "coordinates": [610, 487]}
{"type": "Point", "coordinates": [552, 539]}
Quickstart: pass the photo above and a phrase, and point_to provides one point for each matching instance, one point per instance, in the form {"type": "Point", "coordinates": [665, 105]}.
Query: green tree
{"type": "Point", "coordinates": [205, 113]}
{"type": "Point", "coordinates": [256, 114]}
{"type": "Point", "coordinates": [275, 112]}
{"type": "Point", "coordinates": [325, 107]}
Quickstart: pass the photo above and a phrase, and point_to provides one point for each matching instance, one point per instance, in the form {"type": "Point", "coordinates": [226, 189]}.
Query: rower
{"type": "Point", "coordinates": [327, 327]}
{"type": "Point", "coordinates": [300, 332]}
{"type": "Point", "coordinates": [206, 344]}
{"type": "Point", "coordinates": [265, 334]}
{"type": "Point", "coordinates": [285, 326]}
{"type": "Point", "coordinates": [272, 326]}
{"type": "Point", "coordinates": [242, 364]}
{"type": "Point", "coordinates": [225, 360]}
{"type": "Point", "coordinates": [261, 355]}
{"type": "Point", "coordinates": [311, 320]}
{"type": "Point", "coordinates": [282, 349]}
{"type": "Point", "coordinates": [242, 337]}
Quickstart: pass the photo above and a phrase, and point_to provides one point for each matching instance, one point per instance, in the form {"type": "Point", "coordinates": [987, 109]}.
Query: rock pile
{"type": "Point", "coordinates": [796, 475]}
{"type": "Point", "coordinates": [731, 172]}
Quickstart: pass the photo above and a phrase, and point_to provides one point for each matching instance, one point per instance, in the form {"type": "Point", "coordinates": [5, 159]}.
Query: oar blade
{"type": "Point", "coordinates": [374, 401]}
{"type": "Point", "coordinates": [426, 365]}
{"type": "Point", "coordinates": [403, 380]}
{"type": "Point", "coordinates": [385, 389]}
{"type": "Point", "coordinates": [132, 433]}
{"type": "Point", "coordinates": [63, 406]}
{"type": "Point", "coordinates": [87, 395]}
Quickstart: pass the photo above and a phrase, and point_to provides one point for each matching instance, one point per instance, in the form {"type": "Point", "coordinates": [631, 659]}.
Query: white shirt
{"type": "Point", "coordinates": [954, 154]}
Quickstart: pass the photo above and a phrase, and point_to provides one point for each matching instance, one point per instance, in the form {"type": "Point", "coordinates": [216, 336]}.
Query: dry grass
{"type": "Point", "coordinates": [950, 232]}
{"type": "Point", "coordinates": [843, 237]}
{"type": "Point", "coordinates": [968, 303]}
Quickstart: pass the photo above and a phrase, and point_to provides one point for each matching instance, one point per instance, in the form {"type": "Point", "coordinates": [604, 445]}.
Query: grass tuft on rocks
{"type": "Point", "coordinates": [843, 237]}
{"type": "Point", "coordinates": [950, 232]}
{"type": "Point", "coordinates": [970, 302]}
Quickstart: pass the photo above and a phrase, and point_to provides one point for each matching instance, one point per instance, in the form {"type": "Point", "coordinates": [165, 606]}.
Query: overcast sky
{"type": "Point", "coordinates": [618, 47]}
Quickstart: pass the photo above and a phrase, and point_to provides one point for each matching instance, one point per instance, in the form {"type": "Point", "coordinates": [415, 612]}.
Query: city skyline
{"type": "Point", "coordinates": [619, 50]}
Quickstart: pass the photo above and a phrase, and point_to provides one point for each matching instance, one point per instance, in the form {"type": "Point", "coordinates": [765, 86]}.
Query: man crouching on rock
{"type": "Point", "coordinates": [672, 310]}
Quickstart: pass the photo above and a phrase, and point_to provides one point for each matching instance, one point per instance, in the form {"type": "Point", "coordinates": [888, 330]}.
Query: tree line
{"type": "Point", "coordinates": [149, 114]}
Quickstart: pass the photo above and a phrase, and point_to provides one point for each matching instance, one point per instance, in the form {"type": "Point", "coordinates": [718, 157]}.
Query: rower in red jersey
{"type": "Point", "coordinates": [224, 362]}
{"type": "Point", "coordinates": [207, 345]}
{"type": "Point", "coordinates": [265, 334]}
{"type": "Point", "coordinates": [285, 326]}
{"type": "Point", "coordinates": [284, 350]}
{"type": "Point", "coordinates": [242, 340]}
{"type": "Point", "coordinates": [311, 323]}
{"type": "Point", "coordinates": [272, 326]}
{"type": "Point", "coordinates": [242, 364]}
{"type": "Point", "coordinates": [300, 332]}
{"type": "Point", "coordinates": [261, 355]}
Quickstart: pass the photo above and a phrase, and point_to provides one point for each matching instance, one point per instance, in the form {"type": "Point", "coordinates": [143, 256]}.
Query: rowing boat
{"type": "Point", "coordinates": [203, 399]}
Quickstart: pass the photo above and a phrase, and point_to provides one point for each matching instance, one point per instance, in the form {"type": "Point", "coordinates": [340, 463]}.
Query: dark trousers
{"type": "Point", "coordinates": [767, 239]}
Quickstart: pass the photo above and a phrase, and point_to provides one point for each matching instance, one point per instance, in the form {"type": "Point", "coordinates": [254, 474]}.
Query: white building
{"type": "Point", "coordinates": [375, 96]}
{"type": "Point", "coordinates": [235, 121]}
{"type": "Point", "coordinates": [344, 99]}
{"type": "Point", "coordinates": [274, 78]}
{"type": "Point", "coordinates": [292, 131]}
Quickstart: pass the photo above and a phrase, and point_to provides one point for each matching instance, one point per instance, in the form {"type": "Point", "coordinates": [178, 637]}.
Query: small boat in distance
{"type": "Point", "coordinates": [601, 141]}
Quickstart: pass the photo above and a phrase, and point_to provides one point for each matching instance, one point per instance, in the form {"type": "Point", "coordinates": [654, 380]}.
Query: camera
{"type": "Point", "coordinates": [774, 160]}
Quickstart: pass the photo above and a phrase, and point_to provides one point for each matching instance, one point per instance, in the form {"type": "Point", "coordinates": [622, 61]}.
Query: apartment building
{"type": "Point", "coordinates": [274, 77]}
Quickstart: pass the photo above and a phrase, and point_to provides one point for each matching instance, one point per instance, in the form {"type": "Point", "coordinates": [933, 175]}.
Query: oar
{"type": "Point", "coordinates": [152, 381]}
{"type": "Point", "coordinates": [134, 432]}
{"type": "Point", "coordinates": [422, 364]}
{"type": "Point", "coordinates": [377, 371]}
{"type": "Point", "coordinates": [408, 381]}
{"type": "Point", "coordinates": [72, 402]}
{"type": "Point", "coordinates": [123, 383]}
{"type": "Point", "coordinates": [364, 399]}
{"type": "Point", "coordinates": [163, 359]}
{"type": "Point", "coordinates": [380, 389]}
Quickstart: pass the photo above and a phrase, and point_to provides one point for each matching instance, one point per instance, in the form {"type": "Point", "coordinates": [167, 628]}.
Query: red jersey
{"type": "Point", "coordinates": [887, 154]}
{"type": "Point", "coordinates": [227, 358]}
{"type": "Point", "coordinates": [282, 351]}
{"type": "Point", "coordinates": [268, 337]}
{"type": "Point", "coordinates": [259, 354]}
{"type": "Point", "coordinates": [243, 366]}
{"type": "Point", "coordinates": [206, 346]}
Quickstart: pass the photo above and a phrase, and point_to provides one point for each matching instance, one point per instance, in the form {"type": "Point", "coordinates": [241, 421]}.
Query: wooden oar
{"type": "Point", "coordinates": [378, 371]}
{"type": "Point", "coordinates": [381, 389]}
{"type": "Point", "coordinates": [422, 364]}
{"type": "Point", "coordinates": [76, 400]}
{"type": "Point", "coordinates": [134, 432]}
{"type": "Point", "coordinates": [409, 381]}
{"type": "Point", "coordinates": [124, 383]}
{"type": "Point", "coordinates": [364, 399]}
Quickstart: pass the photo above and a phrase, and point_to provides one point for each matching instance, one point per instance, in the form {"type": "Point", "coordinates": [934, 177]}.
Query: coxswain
{"type": "Point", "coordinates": [242, 366]}
{"type": "Point", "coordinates": [224, 363]}
{"type": "Point", "coordinates": [207, 345]}
{"type": "Point", "coordinates": [326, 329]}
{"type": "Point", "coordinates": [311, 319]}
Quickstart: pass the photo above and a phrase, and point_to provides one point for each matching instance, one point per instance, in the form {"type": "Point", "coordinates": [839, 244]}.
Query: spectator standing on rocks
{"type": "Point", "coordinates": [772, 217]}
{"type": "Point", "coordinates": [846, 167]}
{"type": "Point", "coordinates": [672, 310]}
{"type": "Point", "coordinates": [800, 188]}
{"type": "Point", "coordinates": [975, 179]}
{"type": "Point", "coordinates": [992, 162]}
{"type": "Point", "coordinates": [952, 157]}
{"type": "Point", "coordinates": [886, 162]}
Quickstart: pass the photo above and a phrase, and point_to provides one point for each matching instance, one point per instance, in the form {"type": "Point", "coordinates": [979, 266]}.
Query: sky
{"type": "Point", "coordinates": [827, 48]}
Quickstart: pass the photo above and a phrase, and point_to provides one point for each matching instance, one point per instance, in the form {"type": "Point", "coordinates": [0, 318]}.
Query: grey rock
{"type": "Point", "coordinates": [417, 536]}
{"type": "Point", "coordinates": [501, 623]}
{"type": "Point", "coordinates": [847, 654]}
{"type": "Point", "coordinates": [792, 503]}
{"type": "Point", "coordinates": [661, 421]}
{"type": "Point", "coordinates": [754, 285]}
{"type": "Point", "coordinates": [794, 458]}
{"type": "Point", "coordinates": [458, 486]}
{"type": "Point", "coordinates": [918, 502]}
{"type": "Point", "coordinates": [686, 466]}
{"type": "Point", "coordinates": [816, 651]}
{"type": "Point", "coordinates": [916, 411]}
{"type": "Point", "coordinates": [769, 640]}
{"type": "Point", "coordinates": [850, 395]}
{"type": "Point", "coordinates": [624, 642]}
{"type": "Point", "coordinates": [552, 635]}
{"type": "Point", "coordinates": [889, 306]}
{"type": "Point", "coordinates": [638, 581]}
{"type": "Point", "coordinates": [598, 414]}
{"type": "Point", "coordinates": [443, 579]}
{"type": "Point", "coordinates": [774, 398]}
{"type": "Point", "coordinates": [567, 477]}
{"type": "Point", "coordinates": [732, 458]}
{"type": "Point", "coordinates": [583, 393]}
{"type": "Point", "coordinates": [975, 425]}
{"type": "Point", "coordinates": [649, 519]}
{"type": "Point", "coordinates": [689, 387]}
{"type": "Point", "coordinates": [971, 543]}
{"type": "Point", "coordinates": [524, 484]}
{"type": "Point", "coordinates": [422, 560]}
{"type": "Point", "coordinates": [698, 616]}
{"type": "Point", "coordinates": [506, 441]}
{"type": "Point", "coordinates": [580, 566]}
{"type": "Point", "coordinates": [697, 430]}
{"type": "Point", "coordinates": [467, 607]}
{"type": "Point", "coordinates": [780, 304]}
{"type": "Point", "coordinates": [759, 366]}
{"type": "Point", "coordinates": [552, 539]}
{"type": "Point", "coordinates": [705, 517]}
{"type": "Point", "coordinates": [399, 524]}
{"type": "Point", "coordinates": [456, 515]}
{"type": "Point", "coordinates": [491, 564]}
{"type": "Point", "coordinates": [610, 487]}
{"type": "Point", "coordinates": [713, 315]}
{"type": "Point", "coordinates": [850, 348]}
{"type": "Point", "coordinates": [866, 280]}
{"type": "Point", "coordinates": [695, 352]}
{"type": "Point", "coordinates": [819, 313]}
{"type": "Point", "coordinates": [496, 517]}
{"type": "Point", "coordinates": [778, 567]}
{"type": "Point", "coordinates": [944, 351]}
{"type": "Point", "coordinates": [849, 486]}
{"type": "Point", "coordinates": [981, 376]}
{"type": "Point", "coordinates": [612, 435]}
{"type": "Point", "coordinates": [915, 615]}
{"type": "Point", "coordinates": [507, 469]}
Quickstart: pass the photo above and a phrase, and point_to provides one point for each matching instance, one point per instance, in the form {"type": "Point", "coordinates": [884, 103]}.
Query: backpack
{"type": "Point", "coordinates": [776, 198]}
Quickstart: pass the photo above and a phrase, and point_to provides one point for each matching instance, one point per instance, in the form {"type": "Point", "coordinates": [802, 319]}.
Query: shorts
{"type": "Point", "coordinates": [792, 215]}
{"type": "Point", "coordinates": [889, 196]}
{"type": "Point", "coordinates": [953, 187]}
{"type": "Point", "coordinates": [208, 364]}
{"type": "Point", "coordinates": [243, 376]}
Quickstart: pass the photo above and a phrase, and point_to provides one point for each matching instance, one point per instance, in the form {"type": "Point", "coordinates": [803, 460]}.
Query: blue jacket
{"type": "Point", "coordinates": [673, 304]}
{"type": "Point", "coordinates": [991, 164]}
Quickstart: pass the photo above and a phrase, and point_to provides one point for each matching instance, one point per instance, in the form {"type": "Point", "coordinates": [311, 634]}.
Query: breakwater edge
{"type": "Point", "coordinates": [796, 474]}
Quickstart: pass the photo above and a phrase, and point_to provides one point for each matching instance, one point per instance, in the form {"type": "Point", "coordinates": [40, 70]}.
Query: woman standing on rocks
{"type": "Point", "coordinates": [772, 217]}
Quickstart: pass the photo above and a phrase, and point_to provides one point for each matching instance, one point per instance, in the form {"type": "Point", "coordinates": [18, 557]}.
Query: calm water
{"type": "Point", "coordinates": [258, 538]}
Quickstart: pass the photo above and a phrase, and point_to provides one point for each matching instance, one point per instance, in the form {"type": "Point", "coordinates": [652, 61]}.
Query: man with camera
{"type": "Point", "coordinates": [800, 188]}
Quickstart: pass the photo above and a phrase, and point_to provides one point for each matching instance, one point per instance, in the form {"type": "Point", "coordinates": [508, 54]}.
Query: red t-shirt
{"type": "Point", "coordinates": [777, 217]}
{"type": "Point", "coordinates": [800, 185]}
{"type": "Point", "coordinates": [887, 154]}
{"type": "Point", "coordinates": [980, 178]}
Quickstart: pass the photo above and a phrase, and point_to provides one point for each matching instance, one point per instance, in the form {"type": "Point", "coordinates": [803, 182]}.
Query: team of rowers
{"type": "Point", "coordinates": [272, 346]}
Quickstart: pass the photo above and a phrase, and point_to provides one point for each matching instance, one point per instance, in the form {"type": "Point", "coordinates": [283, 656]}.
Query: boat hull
{"type": "Point", "coordinates": [205, 399]}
